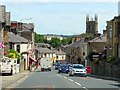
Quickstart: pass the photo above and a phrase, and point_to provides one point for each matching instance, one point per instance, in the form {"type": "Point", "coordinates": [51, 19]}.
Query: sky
{"type": "Point", "coordinates": [63, 17]}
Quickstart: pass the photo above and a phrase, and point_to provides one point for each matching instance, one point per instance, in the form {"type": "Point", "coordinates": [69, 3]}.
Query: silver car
{"type": "Point", "coordinates": [77, 69]}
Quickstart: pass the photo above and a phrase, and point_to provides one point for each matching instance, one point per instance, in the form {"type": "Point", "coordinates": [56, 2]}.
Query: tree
{"type": "Point", "coordinates": [88, 36]}
{"type": "Point", "coordinates": [66, 41]}
{"type": "Point", "coordinates": [39, 38]}
{"type": "Point", "coordinates": [55, 42]}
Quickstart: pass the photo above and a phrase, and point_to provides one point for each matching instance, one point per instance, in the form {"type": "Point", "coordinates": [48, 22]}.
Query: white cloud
{"type": "Point", "coordinates": [46, 1]}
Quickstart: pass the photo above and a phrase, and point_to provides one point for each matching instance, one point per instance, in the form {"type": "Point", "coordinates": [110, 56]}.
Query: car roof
{"type": "Point", "coordinates": [78, 64]}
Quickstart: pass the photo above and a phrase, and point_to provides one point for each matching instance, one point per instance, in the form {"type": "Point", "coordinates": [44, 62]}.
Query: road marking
{"type": "Point", "coordinates": [58, 75]}
{"type": "Point", "coordinates": [78, 83]}
{"type": "Point", "coordinates": [70, 79]}
{"type": "Point", "coordinates": [65, 77]}
{"type": "Point", "coordinates": [18, 82]}
{"type": "Point", "coordinates": [85, 88]}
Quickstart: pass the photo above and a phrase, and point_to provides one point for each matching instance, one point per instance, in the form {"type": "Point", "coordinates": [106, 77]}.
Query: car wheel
{"type": "Point", "coordinates": [11, 72]}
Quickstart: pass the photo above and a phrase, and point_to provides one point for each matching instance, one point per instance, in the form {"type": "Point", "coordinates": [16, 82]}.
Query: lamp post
{"type": "Point", "coordinates": [1, 43]}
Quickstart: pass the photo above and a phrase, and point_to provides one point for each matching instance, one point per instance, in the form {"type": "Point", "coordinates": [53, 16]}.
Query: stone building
{"type": "Point", "coordinates": [92, 25]}
{"type": "Point", "coordinates": [113, 37]}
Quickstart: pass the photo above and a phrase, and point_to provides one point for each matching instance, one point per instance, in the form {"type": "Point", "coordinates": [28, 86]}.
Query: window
{"type": "Point", "coordinates": [18, 48]}
{"type": "Point", "coordinates": [110, 32]}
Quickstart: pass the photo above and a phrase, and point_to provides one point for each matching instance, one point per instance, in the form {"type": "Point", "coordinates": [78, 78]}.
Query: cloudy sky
{"type": "Point", "coordinates": [61, 16]}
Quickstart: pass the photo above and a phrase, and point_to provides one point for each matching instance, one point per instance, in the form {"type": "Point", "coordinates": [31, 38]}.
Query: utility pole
{"type": "Point", "coordinates": [1, 41]}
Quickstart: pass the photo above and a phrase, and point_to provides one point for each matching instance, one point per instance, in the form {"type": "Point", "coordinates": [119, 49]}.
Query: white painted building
{"type": "Point", "coordinates": [19, 44]}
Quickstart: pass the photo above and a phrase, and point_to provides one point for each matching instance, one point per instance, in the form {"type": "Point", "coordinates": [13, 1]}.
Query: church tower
{"type": "Point", "coordinates": [92, 25]}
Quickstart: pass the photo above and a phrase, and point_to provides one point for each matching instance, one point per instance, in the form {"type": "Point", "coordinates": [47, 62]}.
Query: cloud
{"type": "Point", "coordinates": [47, 1]}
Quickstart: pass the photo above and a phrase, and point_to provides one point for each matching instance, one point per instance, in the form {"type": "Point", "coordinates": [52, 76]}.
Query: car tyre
{"type": "Point", "coordinates": [11, 72]}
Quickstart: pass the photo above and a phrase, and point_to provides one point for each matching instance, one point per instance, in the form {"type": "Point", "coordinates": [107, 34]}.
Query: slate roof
{"type": "Point", "coordinates": [44, 50]}
{"type": "Point", "coordinates": [16, 38]}
{"type": "Point", "coordinates": [42, 44]}
{"type": "Point", "coordinates": [102, 38]}
{"type": "Point", "coordinates": [77, 43]}
{"type": "Point", "coordinates": [59, 52]}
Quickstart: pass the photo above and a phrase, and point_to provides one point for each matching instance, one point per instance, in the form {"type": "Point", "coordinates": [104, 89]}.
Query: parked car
{"type": "Point", "coordinates": [6, 66]}
{"type": "Point", "coordinates": [77, 69]}
{"type": "Point", "coordinates": [63, 68]}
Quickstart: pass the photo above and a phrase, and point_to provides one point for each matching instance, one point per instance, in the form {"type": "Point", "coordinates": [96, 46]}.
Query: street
{"type": "Point", "coordinates": [51, 79]}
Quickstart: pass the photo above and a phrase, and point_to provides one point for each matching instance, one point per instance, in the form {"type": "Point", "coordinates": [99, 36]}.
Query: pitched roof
{"type": "Point", "coordinates": [77, 43]}
{"type": "Point", "coordinates": [44, 50]}
{"type": "Point", "coordinates": [59, 52]}
{"type": "Point", "coordinates": [16, 38]}
{"type": "Point", "coordinates": [102, 38]}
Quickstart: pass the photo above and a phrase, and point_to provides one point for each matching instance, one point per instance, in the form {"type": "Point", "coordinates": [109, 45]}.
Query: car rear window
{"type": "Point", "coordinates": [78, 67]}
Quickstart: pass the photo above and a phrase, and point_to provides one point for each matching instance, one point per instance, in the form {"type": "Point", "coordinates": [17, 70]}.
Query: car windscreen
{"type": "Point", "coordinates": [63, 66]}
{"type": "Point", "coordinates": [78, 67]}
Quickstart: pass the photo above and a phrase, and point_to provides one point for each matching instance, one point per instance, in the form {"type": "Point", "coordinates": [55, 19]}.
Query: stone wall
{"type": "Point", "coordinates": [105, 69]}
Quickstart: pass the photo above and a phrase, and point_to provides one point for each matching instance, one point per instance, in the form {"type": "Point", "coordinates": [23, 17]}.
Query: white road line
{"type": "Point", "coordinates": [85, 88]}
{"type": "Point", "coordinates": [18, 82]}
{"type": "Point", "coordinates": [70, 79]}
{"type": "Point", "coordinates": [65, 77]}
{"type": "Point", "coordinates": [58, 75]}
{"type": "Point", "coordinates": [78, 83]}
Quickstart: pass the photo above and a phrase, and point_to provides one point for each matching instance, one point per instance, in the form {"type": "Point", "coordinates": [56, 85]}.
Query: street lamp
{"type": "Point", "coordinates": [1, 43]}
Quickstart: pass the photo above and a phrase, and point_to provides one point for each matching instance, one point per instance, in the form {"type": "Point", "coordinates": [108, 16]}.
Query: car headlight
{"type": "Point", "coordinates": [73, 70]}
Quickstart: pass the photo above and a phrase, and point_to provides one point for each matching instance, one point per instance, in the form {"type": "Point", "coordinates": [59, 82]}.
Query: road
{"type": "Point", "coordinates": [51, 79]}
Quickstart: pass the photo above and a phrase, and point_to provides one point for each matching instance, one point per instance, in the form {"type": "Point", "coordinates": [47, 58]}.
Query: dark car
{"type": "Point", "coordinates": [63, 68]}
{"type": "Point", "coordinates": [56, 65]}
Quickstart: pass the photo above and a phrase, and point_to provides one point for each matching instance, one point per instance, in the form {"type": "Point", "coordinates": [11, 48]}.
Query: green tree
{"type": "Point", "coordinates": [39, 38]}
{"type": "Point", "coordinates": [55, 42]}
{"type": "Point", "coordinates": [88, 35]}
{"type": "Point", "coordinates": [66, 41]}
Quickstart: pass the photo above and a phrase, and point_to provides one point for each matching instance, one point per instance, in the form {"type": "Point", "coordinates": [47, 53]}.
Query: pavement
{"type": "Point", "coordinates": [9, 80]}
{"type": "Point", "coordinates": [105, 77]}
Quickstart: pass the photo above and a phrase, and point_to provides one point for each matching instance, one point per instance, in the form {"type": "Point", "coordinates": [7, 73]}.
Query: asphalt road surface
{"type": "Point", "coordinates": [53, 80]}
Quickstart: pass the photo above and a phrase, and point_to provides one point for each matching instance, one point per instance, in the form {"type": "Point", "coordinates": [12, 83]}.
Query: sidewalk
{"type": "Point", "coordinates": [8, 80]}
{"type": "Point", "coordinates": [105, 77]}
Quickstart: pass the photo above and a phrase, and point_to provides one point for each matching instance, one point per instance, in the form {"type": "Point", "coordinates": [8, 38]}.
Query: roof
{"type": "Point", "coordinates": [102, 38]}
{"type": "Point", "coordinates": [42, 44]}
{"type": "Point", "coordinates": [16, 38]}
{"type": "Point", "coordinates": [44, 50]}
{"type": "Point", "coordinates": [59, 52]}
{"type": "Point", "coordinates": [77, 43]}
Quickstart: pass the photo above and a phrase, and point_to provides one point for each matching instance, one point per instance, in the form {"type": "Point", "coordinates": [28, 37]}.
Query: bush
{"type": "Point", "coordinates": [96, 61]}
{"type": "Point", "coordinates": [13, 54]}
{"type": "Point", "coordinates": [110, 59]}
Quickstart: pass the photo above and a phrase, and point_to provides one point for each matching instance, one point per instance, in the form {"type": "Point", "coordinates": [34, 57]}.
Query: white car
{"type": "Point", "coordinates": [77, 69]}
{"type": "Point", "coordinates": [6, 66]}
